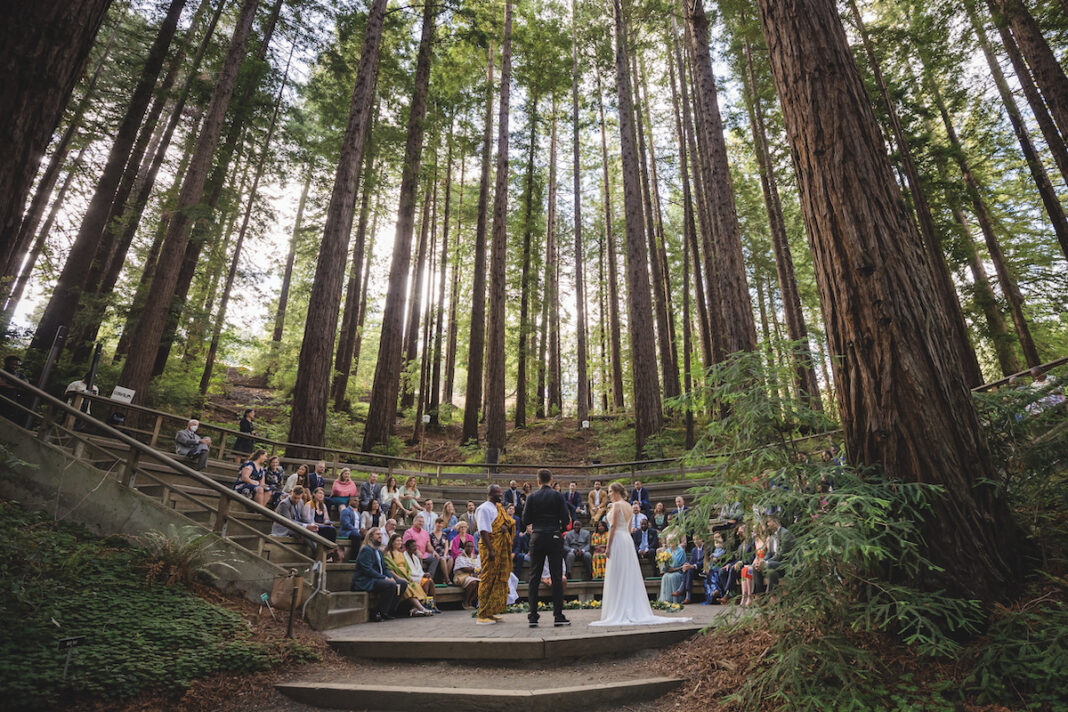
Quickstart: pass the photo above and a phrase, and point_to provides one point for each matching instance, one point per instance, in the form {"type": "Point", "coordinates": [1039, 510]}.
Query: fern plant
{"type": "Point", "coordinates": [181, 555]}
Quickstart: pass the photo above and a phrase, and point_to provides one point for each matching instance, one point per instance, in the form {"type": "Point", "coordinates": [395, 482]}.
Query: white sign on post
{"type": "Point", "coordinates": [124, 395]}
{"type": "Point", "coordinates": [426, 419]}
{"type": "Point", "coordinates": [585, 424]}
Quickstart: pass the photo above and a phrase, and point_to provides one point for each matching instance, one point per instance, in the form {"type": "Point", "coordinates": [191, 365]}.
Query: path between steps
{"type": "Point", "coordinates": [594, 667]}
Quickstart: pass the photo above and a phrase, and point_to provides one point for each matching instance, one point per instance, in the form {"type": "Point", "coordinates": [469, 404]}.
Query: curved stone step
{"type": "Point", "coordinates": [346, 696]}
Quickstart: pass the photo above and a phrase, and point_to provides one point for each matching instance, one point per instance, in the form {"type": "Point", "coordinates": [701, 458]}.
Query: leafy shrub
{"type": "Point", "coordinates": [58, 581]}
{"type": "Point", "coordinates": [180, 555]}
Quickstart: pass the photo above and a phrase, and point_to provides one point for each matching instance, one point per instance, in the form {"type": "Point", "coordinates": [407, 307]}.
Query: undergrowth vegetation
{"type": "Point", "coordinates": [58, 581]}
{"type": "Point", "coordinates": [852, 604]}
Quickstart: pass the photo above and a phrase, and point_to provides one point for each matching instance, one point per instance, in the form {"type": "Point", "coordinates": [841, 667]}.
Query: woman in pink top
{"type": "Point", "coordinates": [343, 488]}
{"type": "Point", "coordinates": [461, 536]}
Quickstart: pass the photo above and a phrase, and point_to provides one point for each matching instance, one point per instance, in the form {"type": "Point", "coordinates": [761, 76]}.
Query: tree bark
{"type": "Point", "coordinates": [60, 310]}
{"type": "Point", "coordinates": [434, 402]}
{"type": "Point", "coordinates": [477, 337]}
{"type": "Point", "coordinates": [415, 301]}
{"type": "Point", "coordinates": [454, 296]}
{"type": "Point", "coordinates": [687, 346]}
{"type": "Point", "coordinates": [738, 327]}
{"type": "Point", "coordinates": [648, 416]}
{"type": "Point", "coordinates": [43, 50]}
{"type": "Point", "coordinates": [897, 390]}
{"type": "Point", "coordinates": [986, 226]}
{"type": "Point", "coordinates": [495, 410]}
{"type": "Point", "coordinates": [1053, 206]}
{"type": "Point", "coordinates": [524, 280]}
{"type": "Point", "coordinates": [614, 330]}
{"type": "Point", "coordinates": [287, 274]}
{"type": "Point", "coordinates": [383, 407]}
{"type": "Point", "coordinates": [1046, 71]}
{"type": "Point", "coordinates": [137, 370]}
{"type": "Point", "coordinates": [424, 361]}
{"type": "Point", "coordinates": [346, 342]}
{"type": "Point", "coordinates": [582, 396]}
{"type": "Point", "coordinates": [366, 278]}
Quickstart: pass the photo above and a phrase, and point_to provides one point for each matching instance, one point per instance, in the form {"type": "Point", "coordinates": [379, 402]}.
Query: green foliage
{"type": "Point", "coordinates": [180, 555]}
{"type": "Point", "coordinates": [58, 581]}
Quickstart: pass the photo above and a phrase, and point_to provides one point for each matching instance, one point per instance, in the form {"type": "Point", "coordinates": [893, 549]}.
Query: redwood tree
{"type": "Point", "coordinates": [581, 396]}
{"type": "Point", "coordinates": [899, 387]}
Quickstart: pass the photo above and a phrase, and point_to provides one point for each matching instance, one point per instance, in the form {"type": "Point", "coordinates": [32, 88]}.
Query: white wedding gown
{"type": "Point", "coordinates": [625, 601]}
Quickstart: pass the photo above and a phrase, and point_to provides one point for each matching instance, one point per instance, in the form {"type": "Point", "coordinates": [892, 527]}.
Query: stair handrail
{"type": "Point", "coordinates": [323, 544]}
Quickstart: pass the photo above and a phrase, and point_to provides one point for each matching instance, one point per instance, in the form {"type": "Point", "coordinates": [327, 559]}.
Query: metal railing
{"type": "Point", "coordinates": [55, 423]}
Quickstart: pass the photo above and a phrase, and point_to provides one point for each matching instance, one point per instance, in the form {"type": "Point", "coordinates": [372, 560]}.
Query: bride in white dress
{"type": "Point", "coordinates": [625, 601]}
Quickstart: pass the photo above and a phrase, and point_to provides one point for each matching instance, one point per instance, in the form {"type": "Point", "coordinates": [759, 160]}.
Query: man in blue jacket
{"type": "Point", "coordinates": [372, 576]}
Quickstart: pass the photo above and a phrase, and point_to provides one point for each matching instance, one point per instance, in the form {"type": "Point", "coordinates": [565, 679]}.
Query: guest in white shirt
{"type": "Point", "coordinates": [428, 515]}
{"type": "Point", "coordinates": [415, 565]}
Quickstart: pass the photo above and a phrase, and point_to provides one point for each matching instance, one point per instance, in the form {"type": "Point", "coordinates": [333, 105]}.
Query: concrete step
{"type": "Point", "coordinates": [327, 611]}
{"type": "Point", "coordinates": [610, 694]}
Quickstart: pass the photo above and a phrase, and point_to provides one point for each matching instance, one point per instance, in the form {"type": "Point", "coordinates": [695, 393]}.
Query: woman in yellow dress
{"type": "Point", "coordinates": [397, 564]}
{"type": "Point", "coordinates": [599, 542]}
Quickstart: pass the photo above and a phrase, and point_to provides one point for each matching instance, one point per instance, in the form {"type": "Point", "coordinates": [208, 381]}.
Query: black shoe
{"type": "Point", "coordinates": [377, 618]}
{"type": "Point", "coordinates": [387, 617]}
{"type": "Point", "coordinates": [561, 622]}
{"type": "Point", "coordinates": [533, 622]}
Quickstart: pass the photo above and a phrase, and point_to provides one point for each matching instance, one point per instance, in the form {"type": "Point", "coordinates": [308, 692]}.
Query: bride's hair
{"type": "Point", "coordinates": [618, 489]}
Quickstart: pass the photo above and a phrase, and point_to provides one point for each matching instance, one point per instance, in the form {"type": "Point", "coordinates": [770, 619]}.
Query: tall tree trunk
{"type": "Point", "coordinates": [986, 225]}
{"type": "Point", "coordinates": [43, 50]}
{"type": "Point", "coordinates": [32, 219]}
{"type": "Point", "coordinates": [495, 410]}
{"type": "Point", "coordinates": [220, 317]}
{"type": "Point", "coordinates": [687, 346]}
{"type": "Point", "coordinates": [366, 278]}
{"type": "Point", "coordinates": [554, 386]}
{"type": "Point", "coordinates": [897, 391]}
{"type": "Point", "coordinates": [424, 361]}
{"type": "Point", "coordinates": [1034, 164]}
{"type": "Point", "coordinates": [738, 325]}
{"type": "Point", "coordinates": [37, 248]}
{"type": "Point", "coordinates": [805, 372]}
{"type": "Point", "coordinates": [658, 283]}
{"type": "Point", "coordinates": [615, 337]}
{"type": "Point", "coordinates": [249, 82]}
{"type": "Point", "coordinates": [958, 336]}
{"type": "Point", "coordinates": [346, 342]}
{"type": "Point", "coordinates": [59, 312]}
{"type": "Point", "coordinates": [548, 365]}
{"type": "Point", "coordinates": [434, 402]}
{"type": "Point", "coordinates": [454, 297]}
{"type": "Point", "coordinates": [648, 416]}
{"type": "Point", "coordinates": [1046, 71]}
{"type": "Point", "coordinates": [477, 338]}
{"type": "Point", "coordinates": [582, 396]}
{"type": "Point", "coordinates": [287, 274]}
{"type": "Point", "coordinates": [383, 407]}
{"type": "Point", "coordinates": [415, 300]}
{"type": "Point", "coordinates": [524, 280]}
{"type": "Point", "coordinates": [689, 224]}
{"type": "Point", "coordinates": [137, 370]}
{"type": "Point", "coordinates": [601, 335]}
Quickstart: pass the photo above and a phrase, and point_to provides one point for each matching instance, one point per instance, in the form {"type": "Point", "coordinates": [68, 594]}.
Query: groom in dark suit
{"type": "Point", "coordinates": [546, 511]}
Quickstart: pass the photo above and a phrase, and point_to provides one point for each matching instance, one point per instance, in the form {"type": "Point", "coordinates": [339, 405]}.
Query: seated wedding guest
{"type": "Point", "coordinates": [344, 490]}
{"type": "Point", "coordinates": [431, 562]}
{"type": "Point", "coordinates": [694, 568]}
{"type": "Point", "coordinates": [465, 573]}
{"type": "Point", "coordinates": [317, 477]}
{"type": "Point", "coordinates": [369, 491]}
{"type": "Point", "coordinates": [427, 514]}
{"type": "Point", "coordinates": [387, 532]}
{"type": "Point", "coordinates": [448, 515]}
{"type": "Point", "coordinates": [659, 518]}
{"type": "Point", "coordinates": [290, 506]}
{"type": "Point", "coordinates": [521, 549]}
{"type": "Point", "coordinates": [371, 576]}
{"type": "Point", "coordinates": [250, 479]}
{"type": "Point", "coordinates": [599, 542]}
{"type": "Point", "coordinates": [720, 574]}
{"type": "Point", "coordinates": [744, 556]}
{"type": "Point", "coordinates": [398, 567]}
{"type": "Point", "coordinates": [574, 501]}
{"type": "Point", "coordinates": [350, 528]}
{"type": "Point", "coordinates": [191, 446]}
{"type": "Point", "coordinates": [418, 577]}
{"type": "Point", "coordinates": [321, 516]}
{"type": "Point", "coordinates": [273, 477]}
{"type": "Point", "coordinates": [390, 499]}
{"type": "Point", "coordinates": [637, 519]}
{"type": "Point", "coordinates": [510, 511]}
{"type": "Point", "coordinates": [671, 572]}
{"type": "Point", "coordinates": [646, 541]}
{"type": "Point", "coordinates": [640, 496]}
{"type": "Point", "coordinates": [410, 498]}
{"type": "Point", "coordinates": [597, 502]}
{"type": "Point", "coordinates": [440, 541]}
{"type": "Point", "coordinates": [300, 477]}
{"type": "Point", "coordinates": [523, 494]}
{"type": "Point", "coordinates": [373, 517]}
{"type": "Point", "coordinates": [577, 545]}
{"type": "Point", "coordinates": [469, 518]}
{"type": "Point", "coordinates": [778, 543]}
{"type": "Point", "coordinates": [460, 539]}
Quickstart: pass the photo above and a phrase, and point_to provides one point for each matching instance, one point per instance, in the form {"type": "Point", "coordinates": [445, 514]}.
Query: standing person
{"type": "Point", "coordinates": [512, 495]}
{"type": "Point", "coordinates": [496, 531]}
{"type": "Point", "coordinates": [625, 601]}
{"type": "Point", "coordinates": [547, 513]}
{"type": "Point", "coordinates": [370, 575]}
{"type": "Point", "coordinates": [243, 445]}
{"type": "Point", "coordinates": [80, 387]}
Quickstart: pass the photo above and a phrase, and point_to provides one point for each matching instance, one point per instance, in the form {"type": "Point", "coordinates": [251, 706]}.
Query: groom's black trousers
{"type": "Point", "coordinates": [548, 544]}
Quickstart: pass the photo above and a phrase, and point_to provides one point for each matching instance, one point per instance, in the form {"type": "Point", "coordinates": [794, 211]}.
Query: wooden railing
{"type": "Point", "coordinates": [1021, 374]}
{"type": "Point", "coordinates": [57, 423]}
